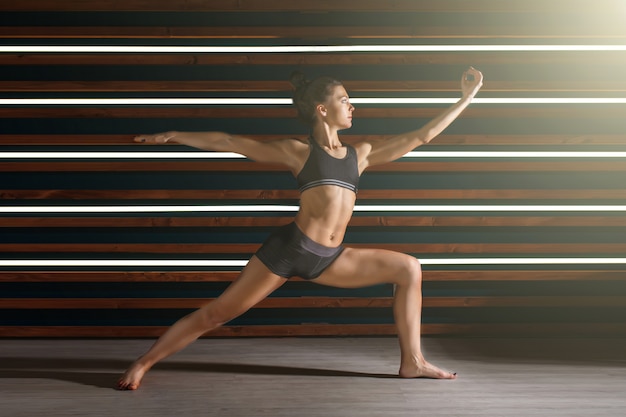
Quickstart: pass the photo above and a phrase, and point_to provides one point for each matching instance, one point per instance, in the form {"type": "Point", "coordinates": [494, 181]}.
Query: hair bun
{"type": "Point", "coordinates": [298, 79]}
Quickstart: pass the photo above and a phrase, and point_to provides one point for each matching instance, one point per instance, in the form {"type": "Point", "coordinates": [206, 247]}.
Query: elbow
{"type": "Point", "coordinates": [222, 141]}
{"type": "Point", "coordinates": [429, 135]}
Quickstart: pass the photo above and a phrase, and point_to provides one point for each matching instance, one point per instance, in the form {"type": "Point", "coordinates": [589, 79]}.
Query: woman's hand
{"type": "Point", "coordinates": [471, 82]}
{"type": "Point", "coordinates": [158, 139]}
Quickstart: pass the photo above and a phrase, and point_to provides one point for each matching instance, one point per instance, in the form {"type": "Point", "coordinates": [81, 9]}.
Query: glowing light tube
{"type": "Point", "coordinates": [134, 49]}
{"type": "Point", "coordinates": [181, 101]}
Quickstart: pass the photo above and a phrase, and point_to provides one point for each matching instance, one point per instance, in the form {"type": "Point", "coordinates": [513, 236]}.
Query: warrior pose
{"type": "Point", "coordinates": [311, 247]}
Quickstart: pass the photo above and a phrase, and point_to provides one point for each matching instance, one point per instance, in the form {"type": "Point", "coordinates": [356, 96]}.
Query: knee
{"type": "Point", "coordinates": [214, 315]}
{"type": "Point", "coordinates": [411, 272]}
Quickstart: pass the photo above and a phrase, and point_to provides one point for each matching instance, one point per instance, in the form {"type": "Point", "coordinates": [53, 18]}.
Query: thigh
{"type": "Point", "coordinates": [363, 267]}
{"type": "Point", "coordinates": [253, 284]}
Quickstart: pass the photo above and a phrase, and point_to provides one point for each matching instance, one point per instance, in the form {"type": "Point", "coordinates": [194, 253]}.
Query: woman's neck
{"type": "Point", "coordinates": [326, 136]}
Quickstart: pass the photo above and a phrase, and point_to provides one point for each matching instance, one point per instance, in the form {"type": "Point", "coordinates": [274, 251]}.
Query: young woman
{"type": "Point", "coordinates": [310, 247]}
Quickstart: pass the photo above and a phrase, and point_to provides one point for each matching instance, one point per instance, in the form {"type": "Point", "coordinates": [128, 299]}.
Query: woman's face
{"type": "Point", "coordinates": [337, 110]}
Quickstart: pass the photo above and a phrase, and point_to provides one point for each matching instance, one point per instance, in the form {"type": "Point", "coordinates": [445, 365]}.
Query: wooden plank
{"type": "Point", "coordinates": [559, 30]}
{"type": "Point", "coordinates": [600, 329]}
{"type": "Point", "coordinates": [474, 330]}
{"type": "Point", "coordinates": [595, 58]}
{"type": "Point", "coordinates": [126, 112]}
{"type": "Point", "coordinates": [294, 194]}
{"type": "Point", "coordinates": [250, 248]}
{"type": "Point", "coordinates": [315, 302]}
{"type": "Point", "coordinates": [193, 303]}
{"type": "Point", "coordinates": [118, 276]}
{"type": "Point", "coordinates": [365, 221]}
{"type": "Point", "coordinates": [225, 331]}
{"type": "Point", "coordinates": [364, 194]}
{"type": "Point", "coordinates": [209, 221]}
{"type": "Point", "coordinates": [509, 86]}
{"type": "Point", "coordinates": [150, 194]}
{"type": "Point", "coordinates": [525, 275]}
{"type": "Point", "coordinates": [596, 112]}
{"type": "Point", "coordinates": [477, 6]}
{"type": "Point", "coordinates": [238, 166]}
{"type": "Point", "coordinates": [444, 139]}
{"type": "Point", "coordinates": [578, 275]}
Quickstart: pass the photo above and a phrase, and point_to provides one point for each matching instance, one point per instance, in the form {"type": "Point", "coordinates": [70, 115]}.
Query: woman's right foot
{"type": "Point", "coordinates": [131, 378]}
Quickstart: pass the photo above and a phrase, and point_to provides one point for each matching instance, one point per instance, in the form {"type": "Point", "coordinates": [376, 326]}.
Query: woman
{"type": "Point", "coordinates": [327, 172]}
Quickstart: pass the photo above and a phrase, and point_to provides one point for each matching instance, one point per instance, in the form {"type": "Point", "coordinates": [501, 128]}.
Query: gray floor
{"type": "Point", "coordinates": [315, 377]}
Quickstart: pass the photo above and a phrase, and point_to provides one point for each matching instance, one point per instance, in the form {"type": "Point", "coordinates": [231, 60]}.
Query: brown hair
{"type": "Point", "coordinates": [309, 94]}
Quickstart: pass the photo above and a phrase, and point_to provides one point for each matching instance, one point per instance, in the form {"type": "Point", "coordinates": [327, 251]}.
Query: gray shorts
{"type": "Point", "coordinates": [288, 252]}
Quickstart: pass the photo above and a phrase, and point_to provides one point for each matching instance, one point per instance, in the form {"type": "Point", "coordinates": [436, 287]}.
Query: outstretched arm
{"type": "Point", "coordinates": [392, 149]}
{"type": "Point", "coordinates": [278, 151]}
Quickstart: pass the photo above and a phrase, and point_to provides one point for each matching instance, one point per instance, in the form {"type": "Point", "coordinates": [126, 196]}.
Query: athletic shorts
{"type": "Point", "coordinates": [288, 252]}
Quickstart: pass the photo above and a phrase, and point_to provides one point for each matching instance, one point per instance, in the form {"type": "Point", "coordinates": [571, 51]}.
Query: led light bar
{"type": "Point", "coordinates": [242, 263]}
{"type": "Point", "coordinates": [232, 155]}
{"type": "Point", "coordinates": [141, 101]}
{"type": "Point", "coordinates": [120, 155]}
{"type": "Point", "coordinates": [513, 154]}
{"type": "Point", "coordinates": [293, 208]}
{"type": "Point", "coordinates": [288, 101]}
{"type": "Point", "coordinates": [134, 49]}
{"type": "Point", "coordinates": [512, 100]}
{"type": "Point", "coordinates": [147, 209]}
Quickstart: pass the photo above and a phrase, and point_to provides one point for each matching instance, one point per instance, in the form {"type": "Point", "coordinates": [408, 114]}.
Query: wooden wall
{"type": "Point", "coordinates": [482, 299]}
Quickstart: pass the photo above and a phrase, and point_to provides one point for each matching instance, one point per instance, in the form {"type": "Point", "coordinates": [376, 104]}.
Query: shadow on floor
{"type": "Point", "coordinates": [89, 371]}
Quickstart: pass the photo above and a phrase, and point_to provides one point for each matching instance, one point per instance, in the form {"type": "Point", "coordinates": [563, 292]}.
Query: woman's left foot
{"type": "Point", "coordinates": [425, 370]}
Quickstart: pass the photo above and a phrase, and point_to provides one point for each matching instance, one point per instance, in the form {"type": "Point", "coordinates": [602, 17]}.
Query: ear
{"type": "Point", "coordinates": [321, 109]}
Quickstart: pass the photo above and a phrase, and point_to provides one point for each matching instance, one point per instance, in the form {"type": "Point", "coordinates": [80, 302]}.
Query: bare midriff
{"type": "Point", "coordinates": [324, 214]}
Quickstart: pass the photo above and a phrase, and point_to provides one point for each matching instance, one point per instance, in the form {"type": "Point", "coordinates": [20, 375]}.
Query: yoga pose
{"type": "Point", "coordinates": [310, 247]}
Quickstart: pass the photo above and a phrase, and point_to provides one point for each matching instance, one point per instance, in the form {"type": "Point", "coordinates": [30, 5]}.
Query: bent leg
{"type": "Point", "coordinates": [364, 267]}
{"type": "Point", "coordinates": [254, 284]}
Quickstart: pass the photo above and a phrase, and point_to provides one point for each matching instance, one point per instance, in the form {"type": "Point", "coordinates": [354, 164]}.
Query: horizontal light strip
{"type": "Point", "coordinates": [511, 100]}
{"type": "Point", "coordinates": [514, 154]}
{"type": "Point", "coordinates": [232, 155]}
{"type": "Point", "coordinates": [120, 155]}
{"type": "Point", "coordinates": [288, 101]}
{"type": "Point", "coordinates": [128, 49]}
{"type": "Point", "coordinates": [142, 101]}
{"type": "Point", "coordinates": [241, 263]}
{"type": "Point", "coordinates": [294, 208]}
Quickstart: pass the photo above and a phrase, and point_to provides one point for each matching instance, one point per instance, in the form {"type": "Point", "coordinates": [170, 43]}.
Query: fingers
{"type": "Point", "coordinates": [472, 72]}
{"type": "Point", "coordinates": [478, 76]}
{"type": "Point", "coordinates": [158, 138]}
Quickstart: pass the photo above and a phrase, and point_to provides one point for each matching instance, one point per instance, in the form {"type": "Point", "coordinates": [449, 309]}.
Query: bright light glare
{"type": "Point", "coordinates": [133, 49]}
{"type": "Point", "coordinates": [120, 155]}
{"type": "Point", "coordinates": [287, 101]}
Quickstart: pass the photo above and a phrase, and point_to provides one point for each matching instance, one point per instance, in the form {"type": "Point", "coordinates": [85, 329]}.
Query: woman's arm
{"type": "Point", "coordinates": [393, 148]}
{"type": "Point", "coordinates": [278, 151]}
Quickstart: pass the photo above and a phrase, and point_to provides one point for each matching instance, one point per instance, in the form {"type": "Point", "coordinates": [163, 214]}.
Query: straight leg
{"type": "Point", "coordinates": [254, 284]}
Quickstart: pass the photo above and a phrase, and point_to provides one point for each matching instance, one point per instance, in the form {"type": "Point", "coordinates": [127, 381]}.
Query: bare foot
{"type": "Point", "coordinates": [131, 378]}
{"type": "Point", "coordinates": [424, 370]}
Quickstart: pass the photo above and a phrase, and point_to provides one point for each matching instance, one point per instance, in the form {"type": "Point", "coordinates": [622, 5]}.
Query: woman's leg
{"type": "Point", "coordinates": [254, 284]}
{"type": "Point", "coordinates": [363, 267]}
